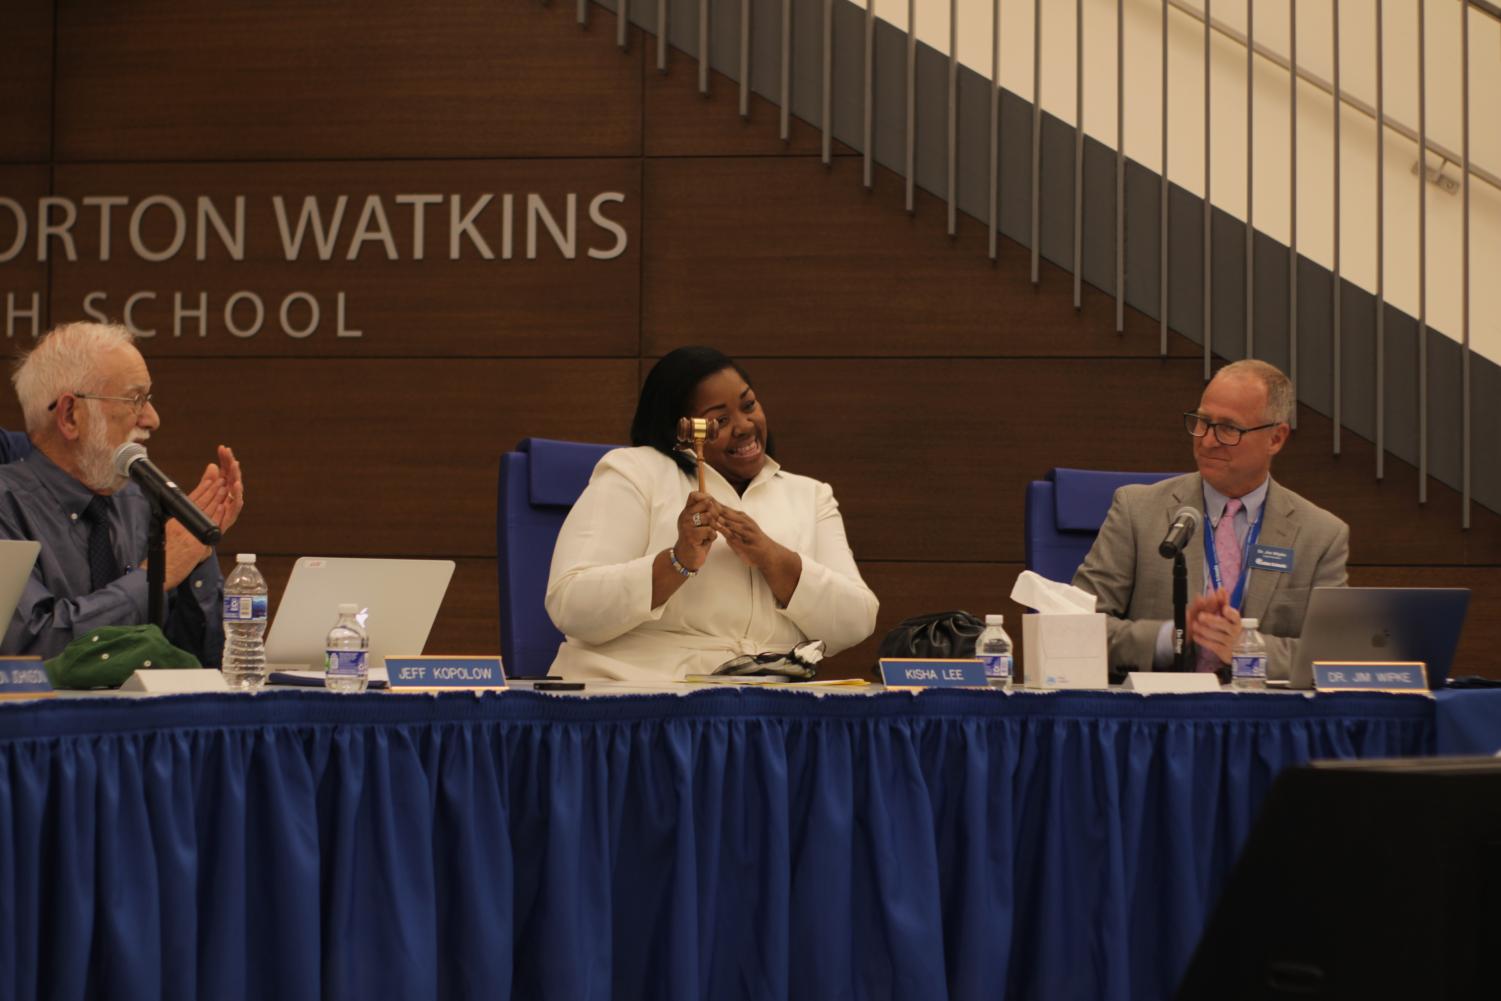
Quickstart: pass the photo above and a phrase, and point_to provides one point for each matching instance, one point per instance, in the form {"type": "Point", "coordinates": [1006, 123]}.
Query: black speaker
{"type": "Point", "coordinates": [1363, 880]}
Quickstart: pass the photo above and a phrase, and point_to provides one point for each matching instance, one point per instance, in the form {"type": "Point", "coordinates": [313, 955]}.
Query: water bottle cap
{"type": "Point", "coordinates": [995, 620]}
{"type": "Point", "coordinates": [348, 608]}
{"type": "Point", "coordinates": [245, 557]}
{"type": "Point", "coordinates": [1248, 623]}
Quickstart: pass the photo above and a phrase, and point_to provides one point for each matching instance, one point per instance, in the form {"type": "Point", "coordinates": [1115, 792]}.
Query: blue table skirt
{"type": "Point", "coordinates": [1468, 721]}
{"type": "Point", "coordinates": [727, 844]}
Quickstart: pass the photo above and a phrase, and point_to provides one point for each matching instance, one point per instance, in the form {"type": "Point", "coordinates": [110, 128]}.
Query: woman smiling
{"type": "Point", "coordinates": [652, 580]}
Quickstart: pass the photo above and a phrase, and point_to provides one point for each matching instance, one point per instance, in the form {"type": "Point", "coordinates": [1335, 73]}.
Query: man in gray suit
{"type": "Point", "coordinates": [1260, 563]}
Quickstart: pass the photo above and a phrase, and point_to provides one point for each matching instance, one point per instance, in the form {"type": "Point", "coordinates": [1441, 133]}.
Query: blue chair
{"type": "Point", "coordinates": [1065, 512]}
{"type": "Point", "coordinates": [538, 484]}
{"type": "Point", "coordinates": [13, 445]}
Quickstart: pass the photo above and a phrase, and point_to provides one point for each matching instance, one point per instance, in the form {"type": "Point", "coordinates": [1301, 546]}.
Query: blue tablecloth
{"type": "Point", "coordinates": [1468, 721]}
{"type": "Point", "coordinates": [727, 844]}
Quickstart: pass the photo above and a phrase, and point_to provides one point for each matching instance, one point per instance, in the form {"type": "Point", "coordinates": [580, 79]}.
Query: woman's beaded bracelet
{"type": "Point", "coordinates": [672, 556]}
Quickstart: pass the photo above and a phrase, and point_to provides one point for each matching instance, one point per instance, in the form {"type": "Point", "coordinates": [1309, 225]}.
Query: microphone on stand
{"type": "Point", "coordinates": [131, 462]}
{"type": "Point", "coordinates": [1181, 532]}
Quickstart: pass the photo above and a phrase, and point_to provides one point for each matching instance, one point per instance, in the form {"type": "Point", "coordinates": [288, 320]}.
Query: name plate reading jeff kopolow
{"type": "Point", "coordinates": [23, 678]}
{"type": "Point", "coordinates": [1370, 676]}
{"type": "Point", "coordinates": [426, 673]}
{"type": "Point", "coordinates": [902, 672]}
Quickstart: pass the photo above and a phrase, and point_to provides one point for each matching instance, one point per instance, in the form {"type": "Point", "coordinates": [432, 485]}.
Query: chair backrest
{"type": "Point", "coordinates": [13, 445]}
{"type": "Point", "coordinates": [538, 484]}
{"type": "Point", "coordinates": [1065, 512]}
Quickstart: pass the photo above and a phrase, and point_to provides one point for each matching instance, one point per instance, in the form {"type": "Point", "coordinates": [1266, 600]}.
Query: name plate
{"type": "Point", "coordinates": [175, 681]}
{"type": "Point", "coordinates": [430, 673]}
{"type": "Point", "coordinates": [23, 678]}
{"type": "Point", "coordinates": [902, 672]}
{"type": "Point", "coordinates": [1370, 676]}
{"type": "Point", "coordinates": [1171, 682]}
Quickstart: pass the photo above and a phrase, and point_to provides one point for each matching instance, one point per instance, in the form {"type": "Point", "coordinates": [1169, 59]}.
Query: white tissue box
{"type": "Point", "coordinates": [1065, 651]}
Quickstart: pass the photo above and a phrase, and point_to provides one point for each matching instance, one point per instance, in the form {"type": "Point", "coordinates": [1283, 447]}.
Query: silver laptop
{"type": "Point", "coordinates": [1381, 623]}
{"type": "Point", "coordinates": [16, 560]}
{"type": "Point", "coordinates": [398, 601]}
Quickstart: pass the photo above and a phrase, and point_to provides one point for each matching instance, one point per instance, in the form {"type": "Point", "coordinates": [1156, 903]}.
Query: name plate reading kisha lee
{"type": "Point", "coordinates": [428, 673]}
{"type": "Point", "coordinates": [902, 672]}
{"type": "Point", "coordinates": [23, 678]}
{"type": "Point", "coordinates": [1370, 676]}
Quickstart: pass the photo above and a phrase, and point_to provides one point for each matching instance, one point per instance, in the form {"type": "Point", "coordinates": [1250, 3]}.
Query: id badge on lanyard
{"type": "Point", "coordinates": [1211, 559]}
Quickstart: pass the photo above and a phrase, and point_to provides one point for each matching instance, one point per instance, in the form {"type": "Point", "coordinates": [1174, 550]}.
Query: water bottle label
{"type": "Point", "coordinates": [1250, 666]}
{"type": "Point", "coordinates": [348, 663]}
{"type": "Point", "coordinates": [244, 608]}
{"type": "Point", "coordinates": [997, 666]}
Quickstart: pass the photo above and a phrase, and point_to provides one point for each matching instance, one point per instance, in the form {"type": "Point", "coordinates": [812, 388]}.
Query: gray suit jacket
{"type": "Point", "coordinates": [1134, 585]}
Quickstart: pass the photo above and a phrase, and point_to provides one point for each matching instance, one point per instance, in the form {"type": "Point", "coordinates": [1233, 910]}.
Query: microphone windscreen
{"type": "Point", "coordinates": [127, 455]}
{"type": "Point", "coordinates": [1191, 514]}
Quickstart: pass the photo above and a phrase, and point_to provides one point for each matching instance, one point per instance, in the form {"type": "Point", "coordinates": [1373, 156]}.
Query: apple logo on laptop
{"type": "Point", "coordinates": [1378, 640]}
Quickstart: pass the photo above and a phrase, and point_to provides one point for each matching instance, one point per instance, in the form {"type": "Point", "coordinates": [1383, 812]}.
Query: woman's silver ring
{"type": "Point", "coordinates": [697, 521]}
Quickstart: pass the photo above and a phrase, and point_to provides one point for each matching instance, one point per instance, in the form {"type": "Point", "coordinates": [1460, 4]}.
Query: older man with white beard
{"type": "Point", "coordinates": [85, 391]}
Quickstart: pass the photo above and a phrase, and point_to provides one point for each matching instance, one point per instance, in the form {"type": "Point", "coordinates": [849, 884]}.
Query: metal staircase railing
{"type": "Point", "coordinates": [847, 34]}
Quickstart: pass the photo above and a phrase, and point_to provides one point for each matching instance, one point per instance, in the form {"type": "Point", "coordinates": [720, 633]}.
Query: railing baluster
{"type": "Point", "coordinates": [786, 113]}
{"type": "Point", "coordinates": [745, 57]}
{"type": "Point", "coordinates": [1078, 153]}
{"type": "Point", "coordinates": [1164, 191]}
{"type": "Point", "coordinates": [1292, 209]}
{"type": "Point", "coordinates": [1422, 252]}
{"type": "Point", "coordinates": [1464, 104]}
{"type": "Point", "coordinates": [911, 106]}
{"type": "Point", "coordinates": [827, 111]}
{"type": "Point", "coordinates": [1337, 280]}
{"type": "Point", "coordinates": [953, 123]}
{"type": "Point", "coordinates": [1208, 205]}
{"type": "Point", "coordinates": [1250, 293]}
{"type": "Point", "coordinates": [1036, 142]}
{"type": "Point", "coordinates": [870, 94]}
{"type": "Point", "coordinates": [1380, 241]}
{"type": "Point", "coordinates": [995, 124]}
{"type": "Point", "coordinates": [1120, 166]}
{"type": "Point", "coordinates": [703, 46]}
{"type": "Point", "coordinates": [661, 36]}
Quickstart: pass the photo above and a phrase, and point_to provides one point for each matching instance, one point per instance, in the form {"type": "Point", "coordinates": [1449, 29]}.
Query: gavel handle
{"type": "Point", "coordinates": [698, 451]}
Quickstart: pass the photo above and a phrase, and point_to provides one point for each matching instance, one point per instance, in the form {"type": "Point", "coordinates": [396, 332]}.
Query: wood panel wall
{"type": "Point", "coordinates": [927, 384]}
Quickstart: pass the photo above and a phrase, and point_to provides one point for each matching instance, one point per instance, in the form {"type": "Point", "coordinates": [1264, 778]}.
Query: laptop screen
{"type": "Point", "coordinates": [398, 601]}
{"type": "Point", "coordinates": [1381, 624]}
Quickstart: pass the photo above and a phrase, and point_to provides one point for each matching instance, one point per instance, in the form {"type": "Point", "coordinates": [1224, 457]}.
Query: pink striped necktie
{"type": "Point", "coordinates": [1227, 551]}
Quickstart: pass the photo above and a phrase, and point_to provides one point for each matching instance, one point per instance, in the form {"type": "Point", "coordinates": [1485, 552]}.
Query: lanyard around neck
{"type": "Point", "coordinates": [1211, 559]}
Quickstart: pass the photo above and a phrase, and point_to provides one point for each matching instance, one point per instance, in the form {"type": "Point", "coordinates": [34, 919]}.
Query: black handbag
{"type": "Point", "coordinates": [937, 635]}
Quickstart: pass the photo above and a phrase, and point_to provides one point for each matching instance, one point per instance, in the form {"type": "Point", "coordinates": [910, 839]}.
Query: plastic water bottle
{"type": "Point", "coordinates": [993, 646]}
{"type": "Point", "coordinates": [345, 654]}
{"type": "Point", "coordinates": [245, 600]}
{"type": "Point", "coordinates": [1248, 659]}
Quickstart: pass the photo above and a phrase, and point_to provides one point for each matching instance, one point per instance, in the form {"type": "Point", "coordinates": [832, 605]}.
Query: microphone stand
{"type": "Point", "coordinates": [1180, 613]}
{"type": "Point", "coordinates": [156, 565]}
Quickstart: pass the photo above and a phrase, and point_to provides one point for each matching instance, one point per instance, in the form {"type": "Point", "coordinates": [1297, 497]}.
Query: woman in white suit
{"type": "Point", "coordinates": [652, 580]}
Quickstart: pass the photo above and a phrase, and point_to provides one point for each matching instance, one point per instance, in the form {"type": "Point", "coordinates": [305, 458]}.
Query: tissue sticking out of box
{"type": "Point", "coordinates": [1050, 597]}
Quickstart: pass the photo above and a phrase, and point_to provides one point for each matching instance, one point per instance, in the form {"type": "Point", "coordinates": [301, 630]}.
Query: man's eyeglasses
{"type": "Point", "coordinates": [137, 401]}
{"type": "Point", "coordinates": [1226, 434]}
{"type": "Point", "coordinates": [801, 662]}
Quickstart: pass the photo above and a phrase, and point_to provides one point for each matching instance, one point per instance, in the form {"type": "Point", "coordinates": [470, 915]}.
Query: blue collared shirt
{"type": "Point", "coordinates": [40, 501]}
{"type": "Point", "coordinates": [1214, 508]}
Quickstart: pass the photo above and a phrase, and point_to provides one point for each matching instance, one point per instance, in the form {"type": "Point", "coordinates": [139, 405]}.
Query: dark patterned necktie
{"type": "Point", "coordinates": [103, 568]}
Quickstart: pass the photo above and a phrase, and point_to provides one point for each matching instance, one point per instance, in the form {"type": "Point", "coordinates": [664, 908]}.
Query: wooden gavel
{"type": "Point", "coordinates": [695, 431]}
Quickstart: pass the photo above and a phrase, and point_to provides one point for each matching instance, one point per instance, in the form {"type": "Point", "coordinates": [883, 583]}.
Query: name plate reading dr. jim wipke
{"type": "Point", "coordinates": [428, 673]}
{"type": "Point", "coordinates": [904, 672]}
{"type": "Point", "coordinates": [23, 678]}
{"type": "Point", "coordinates": [1370, 676]}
